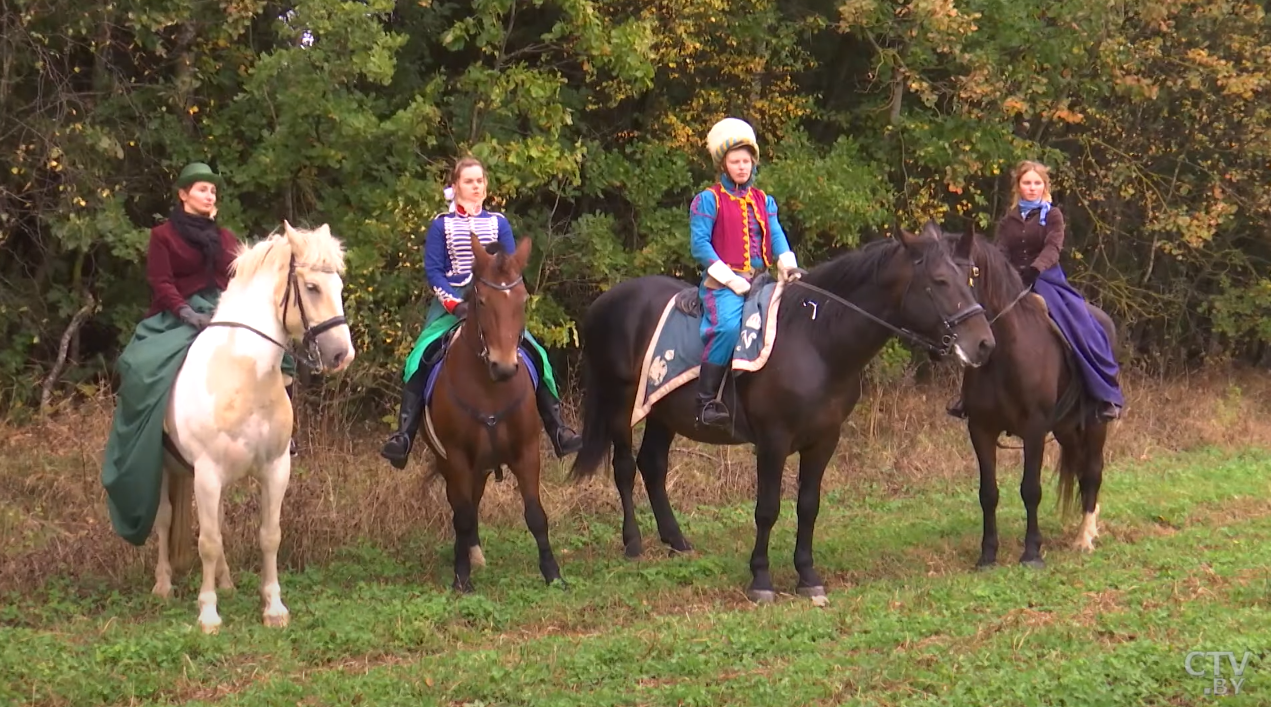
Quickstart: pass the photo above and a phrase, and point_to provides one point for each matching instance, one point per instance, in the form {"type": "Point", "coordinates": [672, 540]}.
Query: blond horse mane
{"type": "Point", "coordinates": [315, 249]}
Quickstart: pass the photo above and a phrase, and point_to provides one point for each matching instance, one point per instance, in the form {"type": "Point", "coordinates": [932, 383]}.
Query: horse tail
{"type": "Point", "coordinates": [181, 530]}
{"type": "Point", "coordinates": [1071, 462]}
{"type": "Point", "coordinates": [597, 413]}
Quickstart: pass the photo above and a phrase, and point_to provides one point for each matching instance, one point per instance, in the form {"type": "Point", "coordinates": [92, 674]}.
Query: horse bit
{"type": "Point", "coordinates": [942, 348]}
{"type": "Point", "coordinates": [308, 353]}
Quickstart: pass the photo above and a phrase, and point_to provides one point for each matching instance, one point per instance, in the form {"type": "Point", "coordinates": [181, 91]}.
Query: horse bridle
{"type": "Point", "coordinates": [484, 351]}
{"type": "Point", "coordinates": [489, 420]}
{"type": "Point", "coordinates": [308, 354]}
{"type": "Point", "coordinates": [947, 340]}
{"type": "Point", "coordinates": [974, 272]}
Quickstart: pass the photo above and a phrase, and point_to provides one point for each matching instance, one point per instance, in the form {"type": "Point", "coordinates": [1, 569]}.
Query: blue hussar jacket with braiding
{"type": "Point", "coordinates": [448, 249]}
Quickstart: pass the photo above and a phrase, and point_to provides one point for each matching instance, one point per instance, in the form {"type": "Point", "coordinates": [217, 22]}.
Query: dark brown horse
{"type": "Point", "coordinates": [482, 408]}
{"type": "Point", "coordinates": [832, 322]}
{"type": "Point", "coordinates": [1029, 388]}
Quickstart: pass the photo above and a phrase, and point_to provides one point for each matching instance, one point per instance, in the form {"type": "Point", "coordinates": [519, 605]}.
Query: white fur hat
{"type": "Point", "coordinates": [730, 133]}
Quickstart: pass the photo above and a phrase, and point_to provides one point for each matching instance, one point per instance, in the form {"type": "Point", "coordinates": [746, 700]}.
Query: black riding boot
{"type": "Point", "coordinates": [565, 441]}
{"type": "Point", "coordinates": [955, 408]}
{"type": "Point", "coordinates": [711, 412]}
{"type": "Point", "coordinates": [292, 444]}
{"type": "Point", "coordinates": [397, 449]}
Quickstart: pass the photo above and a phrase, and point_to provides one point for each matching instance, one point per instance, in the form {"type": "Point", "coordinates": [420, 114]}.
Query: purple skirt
{"type": "Point", "coordinates": [1088, 339]}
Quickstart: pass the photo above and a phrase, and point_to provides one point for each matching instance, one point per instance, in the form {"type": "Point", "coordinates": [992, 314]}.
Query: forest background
{"type": "Point", "coordinates": [591, 116]}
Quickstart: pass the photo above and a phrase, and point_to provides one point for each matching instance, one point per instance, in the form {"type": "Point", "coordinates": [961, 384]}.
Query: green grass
{"type": "Point", "coordinates": [1181, 564]}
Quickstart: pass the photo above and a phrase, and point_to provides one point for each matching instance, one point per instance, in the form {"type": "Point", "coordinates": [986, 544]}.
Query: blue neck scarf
{"type": "Point", "coordinates": [1026, 206]}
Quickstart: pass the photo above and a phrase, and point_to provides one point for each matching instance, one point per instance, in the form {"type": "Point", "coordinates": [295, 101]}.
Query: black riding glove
{"type": "Point", "coordinates": [461, 310]}
{"type": "Point", "coordinates": [1029, 275]}
{"type": "Point", "coordinates": [193, 318]}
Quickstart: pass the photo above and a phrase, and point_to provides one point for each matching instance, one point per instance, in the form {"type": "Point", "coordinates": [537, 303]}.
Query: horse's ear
{"type": "Point", "coordinates": [287, 229]}
{"type": "Point", "coordinates": [931, 229]}
{"type": "Point", "coordinates": [521, 257]}
{"type": "Point", "coordinates": [324, 229]}
{"type": "Point", "coordinates": [479, 256]}
{"type": "Point", "coordinates": [967, 240]}
{"type": "Point", "coordinates": [907, 239]}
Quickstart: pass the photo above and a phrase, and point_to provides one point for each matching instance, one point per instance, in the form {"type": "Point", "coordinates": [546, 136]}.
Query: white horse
{"type": "Point", "coordinates": [229, 415]}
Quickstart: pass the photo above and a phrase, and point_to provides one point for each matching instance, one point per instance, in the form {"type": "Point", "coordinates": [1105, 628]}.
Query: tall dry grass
{"type": "Point", "coordinates": [54, 522]}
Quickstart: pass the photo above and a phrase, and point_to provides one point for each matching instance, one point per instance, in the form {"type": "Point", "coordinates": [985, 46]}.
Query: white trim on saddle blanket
{"type": "Point", "coordinates": [654, 367]}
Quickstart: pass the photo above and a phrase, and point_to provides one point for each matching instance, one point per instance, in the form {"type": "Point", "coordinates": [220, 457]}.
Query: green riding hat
{"type": "Point", "coordinates": [198, 172]}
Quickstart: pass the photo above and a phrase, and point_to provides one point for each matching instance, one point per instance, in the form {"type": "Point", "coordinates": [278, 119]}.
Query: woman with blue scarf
{"type": "Point", "coordinates": [1031, 234]}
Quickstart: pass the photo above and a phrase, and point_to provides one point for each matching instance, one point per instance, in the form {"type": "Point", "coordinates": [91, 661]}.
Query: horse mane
{"type": "Point", "coordinates": [842, 275]}
{"type": "Point", "coordinates": [316, 249]}
{"type": "Point", "coordinates": [999, 282]}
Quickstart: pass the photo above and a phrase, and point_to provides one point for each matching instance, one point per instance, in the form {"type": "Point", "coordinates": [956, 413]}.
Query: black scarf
{"type": "Point", "coordinates": [200, 232]}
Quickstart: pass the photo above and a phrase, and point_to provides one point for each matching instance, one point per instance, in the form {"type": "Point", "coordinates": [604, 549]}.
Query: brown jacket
{"type": "Point", "coordinates": [1027, 242]}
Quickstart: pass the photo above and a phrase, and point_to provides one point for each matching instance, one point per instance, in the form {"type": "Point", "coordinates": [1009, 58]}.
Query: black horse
{"type": "Point", "coordinates": [1029, 387]}
{"type": "Point", "coordinates": [831, 323]}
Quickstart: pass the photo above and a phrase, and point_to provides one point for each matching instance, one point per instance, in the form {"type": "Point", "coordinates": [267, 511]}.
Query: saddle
{"type": "Point", "coordinates": [688, 302]}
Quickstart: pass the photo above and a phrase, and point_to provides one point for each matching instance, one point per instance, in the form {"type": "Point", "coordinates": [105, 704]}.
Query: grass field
{"type": "Point", "coordinates": [1181, 565]}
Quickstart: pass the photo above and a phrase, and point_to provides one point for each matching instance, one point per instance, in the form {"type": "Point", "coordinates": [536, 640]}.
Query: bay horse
{"type": "Point", "coordinates": [831, 323]}
{"type": "Point", "coordinates": [1029, 388]}
{"type": "Point", "coordinates": [229, 415]}
{"type": "Point", "coordinates": [481, 411]}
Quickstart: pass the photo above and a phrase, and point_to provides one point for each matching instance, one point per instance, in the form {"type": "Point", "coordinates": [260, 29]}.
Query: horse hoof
{"type": "Point", "coordinates": [210, 626]}
{"type": "Point", "coordinates": [761, 596]}
{"type": "Point", "coordinates": [679, 546]}
{"type": "Point", "coordinates": [633, 549]}
{"type": "Point", "coordinates": [476, 556]}
{"type": "Point", "coordinates": [163, 590]}
{"type": "Point", "coordinates": [277, 620]}
{"type": "Point", "coordinates": [462, 587]}
{"type": "Point", "coordinates": [816, 594]}
{"type": "Point", "coordinates": [558, 583]}
{"type": "Point", "coordinates": [1036, 564]}
{"type": "Point", "coordinates": [985, 565]}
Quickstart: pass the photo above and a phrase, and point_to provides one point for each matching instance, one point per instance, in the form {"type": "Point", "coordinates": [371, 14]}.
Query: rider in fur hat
{"type": "Point", "coordinates": [735, 234]}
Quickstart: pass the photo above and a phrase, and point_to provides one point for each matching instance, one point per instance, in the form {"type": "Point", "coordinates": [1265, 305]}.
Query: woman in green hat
{"type": "Point", "coordinates": [191, 254]}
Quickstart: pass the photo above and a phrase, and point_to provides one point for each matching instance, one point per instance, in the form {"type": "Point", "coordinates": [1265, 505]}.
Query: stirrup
{"type": "Point", "coordinates": [1109, 412]}
{"type": "Point", "coordinates": [714, 409]}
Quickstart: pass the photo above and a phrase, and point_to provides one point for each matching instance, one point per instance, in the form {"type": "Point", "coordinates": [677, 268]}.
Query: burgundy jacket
{"type": "Point", "coordinates": [175, 269]}
{"type": "Point", "coordinates": [1027, 242]}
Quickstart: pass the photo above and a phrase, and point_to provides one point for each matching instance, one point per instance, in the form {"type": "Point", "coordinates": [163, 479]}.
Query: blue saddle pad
{"type": "Point", "coordinates": [674, 355]}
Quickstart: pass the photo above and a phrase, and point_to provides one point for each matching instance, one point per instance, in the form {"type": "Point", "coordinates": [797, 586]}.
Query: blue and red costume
{"type": "Point", "coordinates": [739, 227]}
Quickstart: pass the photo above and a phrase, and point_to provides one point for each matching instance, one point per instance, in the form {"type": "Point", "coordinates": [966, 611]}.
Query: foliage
{"type": "Point", "coordinates": [591, 115]}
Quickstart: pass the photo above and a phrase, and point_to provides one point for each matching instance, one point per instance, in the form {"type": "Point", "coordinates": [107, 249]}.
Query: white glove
{"type": "Point", "coordinates": [788, 267]}
{"type": "Point", "coordinates": [726, 277]}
